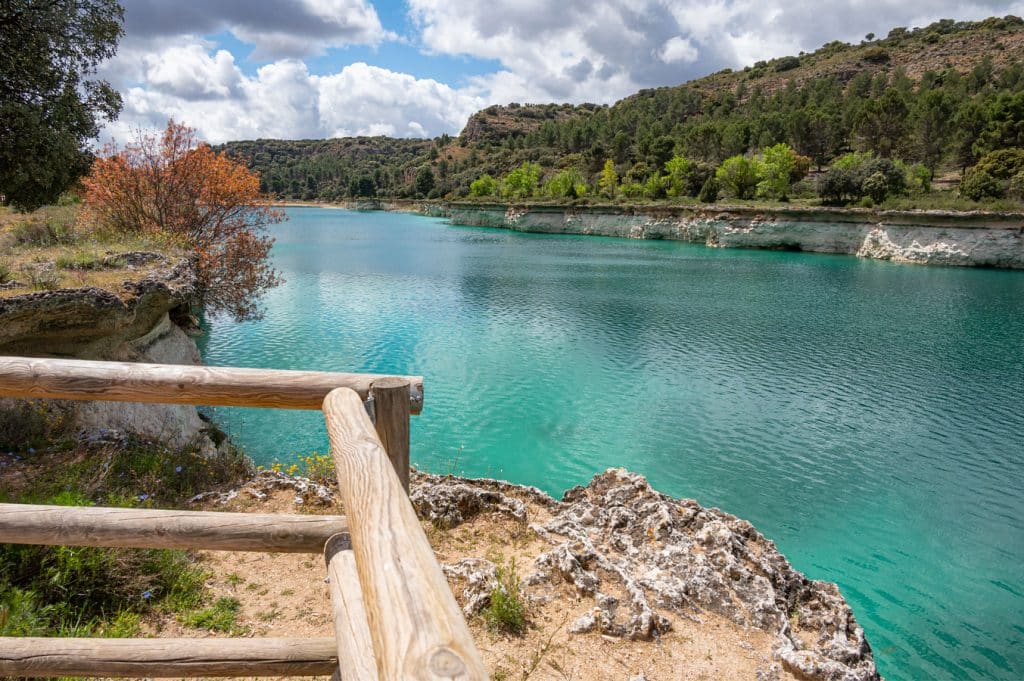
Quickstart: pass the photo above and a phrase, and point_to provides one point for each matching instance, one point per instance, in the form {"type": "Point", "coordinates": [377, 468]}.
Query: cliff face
{"type": "Point", "coordinates": [141, 322]}
{"type": "Point", "coordinates": [925, 237]}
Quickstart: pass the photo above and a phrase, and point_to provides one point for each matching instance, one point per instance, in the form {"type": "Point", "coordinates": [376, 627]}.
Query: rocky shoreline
{"type": "Point", "coordinates": [642, 564]}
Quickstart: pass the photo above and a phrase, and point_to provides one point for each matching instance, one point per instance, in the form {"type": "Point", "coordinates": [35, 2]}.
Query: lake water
{"type": "Point", "coordinates": [866, 416]}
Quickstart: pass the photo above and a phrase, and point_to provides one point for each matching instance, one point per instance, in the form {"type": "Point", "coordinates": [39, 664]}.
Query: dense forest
{"type": "Point", "coordinates": [940, 106]}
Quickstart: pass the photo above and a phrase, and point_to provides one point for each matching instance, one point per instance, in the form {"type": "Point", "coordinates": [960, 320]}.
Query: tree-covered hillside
{"type": "Point", "coordinates": [917, 104]}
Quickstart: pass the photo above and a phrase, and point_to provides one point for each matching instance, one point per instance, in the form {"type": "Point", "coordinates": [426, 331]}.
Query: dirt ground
{"type": "Point", "coordinates": [285, 595]}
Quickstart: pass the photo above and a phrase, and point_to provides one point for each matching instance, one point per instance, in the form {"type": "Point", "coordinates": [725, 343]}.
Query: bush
{"type": "Point", "coordinates": [979, 184]}
{"type": "Point", "coordinates": [787, 64]}
{"type": "Point", "coordinates": [506, 611]}
{"type": "Point", "coordinates": [1015, 191]}
{"type": "Point", "coordinates": [848, 179]}
{"type": "Point", "coordinates": [177, 186]}
{"type": "Point", "coordinates": [485, 185]}
{"type": "Point", "coordinates": [709, 192]}
{"type": "Point", "coordinates": [876, 55]}
{"type": "Point", "coordinates": [738, 176]}
{"type": "Point", "coordinates": [1002, 164]}
{"type": "Point", "coordinates": [875, 187]}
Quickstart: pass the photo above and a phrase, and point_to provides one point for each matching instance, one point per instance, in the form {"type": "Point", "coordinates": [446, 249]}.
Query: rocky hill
{"type": "Point", "coordinates": [918, 94]}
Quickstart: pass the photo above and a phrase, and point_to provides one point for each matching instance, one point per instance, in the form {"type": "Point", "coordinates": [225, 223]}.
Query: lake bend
{"type": "Point", "coordinates": [864, 415]}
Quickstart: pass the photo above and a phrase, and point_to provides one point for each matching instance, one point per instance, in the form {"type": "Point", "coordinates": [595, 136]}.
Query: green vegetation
{"type": "Point", "coordinates": [931, 102]}
{"type": "Point", "coordinates": [74, 591]}
{"type": "Point", "coordinates": [221, 616]}
{"type": "Point", "coordinates": [49, 106]}
{"type": "Point", "coordinates": [506, 610]}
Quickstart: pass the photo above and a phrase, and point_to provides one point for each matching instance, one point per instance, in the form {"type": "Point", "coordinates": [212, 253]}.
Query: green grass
{"type": "Point", "coordinates": [77, 591]}
{"type": "Point", "coordinates": [221, 616]}
{"type": "Point", "coordinates": [506, 610]}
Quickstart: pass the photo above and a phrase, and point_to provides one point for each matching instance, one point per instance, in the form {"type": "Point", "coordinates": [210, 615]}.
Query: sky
{"type": "Point", "coordinates": [300, 69]}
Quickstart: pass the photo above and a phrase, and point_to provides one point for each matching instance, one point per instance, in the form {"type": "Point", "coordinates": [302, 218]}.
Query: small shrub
{"type": "Point", "coordinates": [6, 274]}
{"type": "Point", "coordinates": [787, 64]}
{"type": "Point", "coordinates": [80, 260]}
{"type": "Point", "coordinates": [875, 187]}
{"type": "Point", "coordinates": [709, 192]}
{"type": "Point", "coordinates": [876, 55]}
{"type": "Point", "coordinates": [506, 611]}
{"type": "Point", "coordinates": [31, 424]}
{"type": "Point", "coordinates": [221, 616]}
{"type": "Point", "coordinates": [1015, 191]}
{"type": "Point", "coordinates": [978, 184]}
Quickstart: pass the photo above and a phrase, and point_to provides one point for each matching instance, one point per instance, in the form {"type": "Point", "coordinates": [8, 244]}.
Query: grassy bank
{"type": "Point", "coordinates": [56, 247]}
{"type": "Point", "coordinates": [75, 591]}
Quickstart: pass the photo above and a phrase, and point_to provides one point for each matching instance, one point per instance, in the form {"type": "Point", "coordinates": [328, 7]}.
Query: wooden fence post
{"type": "Point", "coordinates": [391, 409]}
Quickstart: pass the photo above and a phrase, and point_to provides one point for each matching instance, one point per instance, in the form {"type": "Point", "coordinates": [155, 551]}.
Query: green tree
{"type": "Point", "coordinates": [739, 176]}
{"type": "Point", "coordinates": [565, 184]}
{"type": "Point", "coordinates": [50, 107]}
{"type": "Point", "coordinates": [424, 180]}
{"type": "Point", "coordinates": [933, 114]}
{"type": "Point", "coordinates": [522, 182]}
{"type": "Point", "coordinates": [882, 123]}
{"type": "Point", "coordinates": [778, 164]}
{"type": "Point", "coordinates": [608, 183]}
{"type": "Point", "coordinates": [677, 175]}
{"type": "Point", "coordinates": [485, 185]}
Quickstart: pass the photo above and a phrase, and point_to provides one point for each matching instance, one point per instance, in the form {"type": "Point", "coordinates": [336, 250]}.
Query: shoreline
{"type": "Point", "coordinates": [924, 237]}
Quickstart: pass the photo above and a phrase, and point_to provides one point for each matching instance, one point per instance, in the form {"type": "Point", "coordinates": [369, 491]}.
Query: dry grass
{"type": "Point", "coordinates": [55, 248]}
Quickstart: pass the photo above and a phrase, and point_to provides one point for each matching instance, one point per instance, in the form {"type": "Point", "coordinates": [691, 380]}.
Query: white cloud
{"type": "Point", "coordinates": [575, 50]}
{"type": "Point", "coordinates": [678, 49]}
{"type": "Point", "coordinates": [207, 91]}
{"type": "Point", "coordinates": [277, 29]}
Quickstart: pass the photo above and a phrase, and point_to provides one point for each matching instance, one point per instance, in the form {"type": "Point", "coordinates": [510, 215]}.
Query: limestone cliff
{"type": "Point", "coordinates": [923, 237]}
{"type": "Point", "coordinates": [145, 320]}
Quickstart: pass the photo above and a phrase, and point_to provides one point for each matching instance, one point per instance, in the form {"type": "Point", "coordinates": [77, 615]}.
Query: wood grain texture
{"type": "Point", "coordinates": [391, 411]}
{"type": "Point", "coordinates": [417, 627]}
{"type": "Point", "coordinates": [74, 379]}
{"type": "Point", "coordinates": [147, 528]}
{"type": "Point", "coordinates": [156, 657]}
{"type": "Point", "coordinates": [351, 631]}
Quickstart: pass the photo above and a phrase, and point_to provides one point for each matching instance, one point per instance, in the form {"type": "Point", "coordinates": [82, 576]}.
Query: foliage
{"type": "Point", "coordinates": [858, 175]}
{"type": "Point", "coordinates": [777, 168]}
{"type": "Point", "coordinates": [609, 181]}
{"type": "Point", "coordinates": [522, 182]}
{"type": "Point", "coordinates": [506, 610]}
{"type": "Point", "coordinates": [174, 185]}
{"type": "Point", "coordinates": [566, 183]}
{"type": "Point", "coordinates": [677, 175]}
{"type": "Point", "coordinates": [709, 192]}
{"type": "Point", "coordinates": [50, 106]}
{"type": "Point", "coordinates": [424, 181]}
{"type": "Point", "coordinates": [221, 616]}
{"type": "Point", "coordinates": [485, 185]}
{"type": "Point", "coordinates": [979, 184]}
{"type": "Point", "coordinates": [739, 176]}
{"type": "Point", "coordinates": [74, 591]}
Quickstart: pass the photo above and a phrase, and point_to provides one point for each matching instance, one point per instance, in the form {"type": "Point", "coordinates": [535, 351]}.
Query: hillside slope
{"type": "Point", "coordinates": [925, 95]}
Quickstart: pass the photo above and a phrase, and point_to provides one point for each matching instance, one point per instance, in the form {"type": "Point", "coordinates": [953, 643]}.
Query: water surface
{"type": "Point", "coordinates": [865, 415]}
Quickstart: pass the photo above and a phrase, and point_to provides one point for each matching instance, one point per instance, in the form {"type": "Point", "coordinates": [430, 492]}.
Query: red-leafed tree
{"type": "Point", "coordinates": [175, 185]}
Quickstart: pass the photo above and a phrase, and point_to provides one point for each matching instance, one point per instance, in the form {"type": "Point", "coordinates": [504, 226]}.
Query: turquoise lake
{"type": "Point", "coordinates": [866, 416]}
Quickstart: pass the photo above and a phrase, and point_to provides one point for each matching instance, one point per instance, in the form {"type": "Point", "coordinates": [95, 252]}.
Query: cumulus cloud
{"type": "Point", "coordinates": [282, 28]}
{"type": "Point", "coordinates": [169, 63]}
{"type": "Point", "coordinates": [206, 90]}
{"type": "Point", "coordinates": [631, 44]}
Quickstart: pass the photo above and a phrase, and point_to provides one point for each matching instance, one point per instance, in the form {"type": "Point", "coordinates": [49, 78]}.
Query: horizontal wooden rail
{"type": "Point", "coordinates": [417, 628]}
{"type": "Point", "coordinates": [163, 657]}
{"type": "Point", "coordinates": [73, 379]}
{"type": "Point", "coordinates": [153, 529]}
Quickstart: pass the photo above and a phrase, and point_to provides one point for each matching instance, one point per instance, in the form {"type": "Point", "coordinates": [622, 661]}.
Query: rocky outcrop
{"type": "Point", "coordinates": [651, 563]}
{"type": "Point", "coordinates": [924, 237]}
{"type": "Point", "coordinates": [145, 320]}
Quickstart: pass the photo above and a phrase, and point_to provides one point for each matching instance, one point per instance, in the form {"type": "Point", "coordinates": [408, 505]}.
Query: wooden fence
{"type": "Point", "coordinates": [394, 615]}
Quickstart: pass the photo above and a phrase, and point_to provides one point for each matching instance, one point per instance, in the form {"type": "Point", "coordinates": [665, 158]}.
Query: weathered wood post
{"type": "Point", "coordinates": [351, 631]}
{"type": "Point", "coordinates": [391, 410]}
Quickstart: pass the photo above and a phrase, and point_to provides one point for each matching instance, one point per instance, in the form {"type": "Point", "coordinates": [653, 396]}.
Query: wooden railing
{"type": "Point", "coordinates": [394, 615]}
